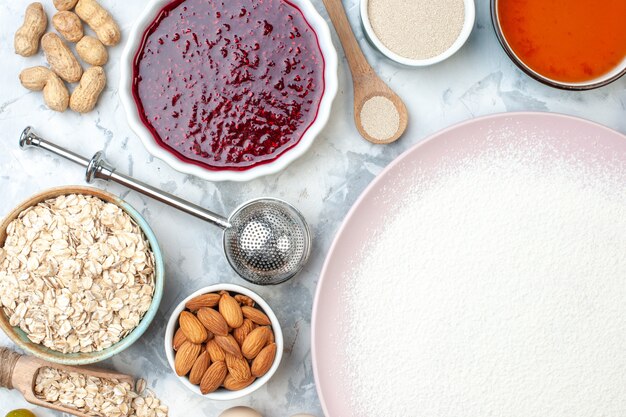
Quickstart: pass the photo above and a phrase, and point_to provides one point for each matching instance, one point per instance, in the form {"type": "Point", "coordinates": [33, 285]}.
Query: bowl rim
{"type": "Point", "coordinates": [466, 31]}
{"type": "Point", "coordinates": [18, 337]}
{"type": "Point", "coordinates": [598, 82]}
{"type": "Point", "coordinates": [222, 394]}
{"type": "Point", "coordinates": [331, 86]}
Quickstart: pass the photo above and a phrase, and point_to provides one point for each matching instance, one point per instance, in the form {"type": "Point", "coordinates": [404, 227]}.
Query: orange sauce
{"type": "Point", "coordinates": [566, 40]}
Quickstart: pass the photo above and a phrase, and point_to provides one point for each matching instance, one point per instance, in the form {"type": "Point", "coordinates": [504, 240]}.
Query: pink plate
{"type": "Point", "coordinates": [568, 135]}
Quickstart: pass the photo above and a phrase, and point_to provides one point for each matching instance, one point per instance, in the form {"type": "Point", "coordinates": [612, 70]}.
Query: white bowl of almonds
{"type": "Point", "coordinates": [224, 342]}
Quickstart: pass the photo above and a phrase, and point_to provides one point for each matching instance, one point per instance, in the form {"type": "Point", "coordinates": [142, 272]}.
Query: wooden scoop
{"type": "Point", "coordinates": [20, 372]}
{"type": "Point", "coordinates": [366, 83]}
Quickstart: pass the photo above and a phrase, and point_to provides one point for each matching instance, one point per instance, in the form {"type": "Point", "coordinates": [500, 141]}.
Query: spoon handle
{"type": "Point", "coordinates": [358, 64]}
{"type": "Point", "coordinates": [98, 168]}
{"type": "Point", "coordinates": [19, 372]}
{"type": "Point", "coordinates": [8, 361]}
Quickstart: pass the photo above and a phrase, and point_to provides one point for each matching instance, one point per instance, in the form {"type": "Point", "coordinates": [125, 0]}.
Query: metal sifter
{"type": "Point", "coordinates": [266, 241]}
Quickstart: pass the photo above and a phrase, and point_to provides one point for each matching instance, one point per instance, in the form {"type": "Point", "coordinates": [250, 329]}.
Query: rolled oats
{"type": "Point", "coordinates": [98, 397]}
{"type": "Point", "coordinates": [76, 273]}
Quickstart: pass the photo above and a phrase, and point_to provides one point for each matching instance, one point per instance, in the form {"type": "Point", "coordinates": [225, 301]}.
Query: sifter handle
{"type": "Point", "coordinates": [98, 168]}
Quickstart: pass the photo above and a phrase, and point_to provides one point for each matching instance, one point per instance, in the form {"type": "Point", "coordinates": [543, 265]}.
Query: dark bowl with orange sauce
{"type": "Point", "coordinates": [578, 47]}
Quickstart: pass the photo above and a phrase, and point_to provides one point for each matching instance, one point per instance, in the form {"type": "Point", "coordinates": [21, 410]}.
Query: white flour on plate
{"type": "Point", "coordinates": [497, 290]}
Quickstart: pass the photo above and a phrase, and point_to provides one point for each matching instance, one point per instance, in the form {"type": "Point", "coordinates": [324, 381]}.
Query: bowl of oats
{"type": "Point", "coordinates": [81, 275]}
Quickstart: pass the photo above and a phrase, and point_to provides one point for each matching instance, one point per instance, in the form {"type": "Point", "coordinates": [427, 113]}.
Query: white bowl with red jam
{"type": "Point", "coordinates": [229, 90]}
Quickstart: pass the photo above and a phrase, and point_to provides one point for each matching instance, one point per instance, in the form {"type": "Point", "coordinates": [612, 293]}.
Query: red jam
{"type": "Point", "coordinates": [229, 84]}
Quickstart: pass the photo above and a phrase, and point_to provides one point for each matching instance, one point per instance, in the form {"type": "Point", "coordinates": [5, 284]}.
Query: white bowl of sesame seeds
{"type": "Point", "coordinates": [418, 34]}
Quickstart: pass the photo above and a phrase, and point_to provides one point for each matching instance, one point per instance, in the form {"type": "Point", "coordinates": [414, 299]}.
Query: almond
{"type": "Point", "coordinates": [215, 352]}
{"type": "Point", "coordinates": [213, 321]}
{"type": "Point", "coordinates": [186, 357]}
{"type": "Point", "coordinates": [243, 331]}
{"type": "Point", "coordinates": [228, 344]}
{"type": "Point", "coordinates": [213, 377]}
{"type": "Point", "coordinates": [256, 341]}
{"type": "Point", "coordinates": [204, 300]}
{"type": "Point", "coordinates": [264, 360]}
{"type": "Point", "coordinates": [244, 300]}
{"type": "Point", "coordinates": [199, 368]}
{"type": "Point", "coordinates": [230, 309]}
{"type": "Point", "coordinates": [239, 368]}
{"type": "Point", "coordinates": [192, 328]}
{"type": "Point", "coordinates": [179, 339]}
{"type": "Point", "coordinates": [256, 315]}
{"type": "Point", "coordinates": [232, 384]}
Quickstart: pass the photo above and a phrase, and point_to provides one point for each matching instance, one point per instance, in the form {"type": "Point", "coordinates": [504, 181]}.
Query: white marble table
{"type": "Point", "coordinates": [478, 80]}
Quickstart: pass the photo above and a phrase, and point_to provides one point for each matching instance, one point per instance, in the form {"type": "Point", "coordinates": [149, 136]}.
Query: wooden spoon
{"type": "Point", "coordinates": [20, 373]}
{"type": "Point", "coordinates": [366, 83]}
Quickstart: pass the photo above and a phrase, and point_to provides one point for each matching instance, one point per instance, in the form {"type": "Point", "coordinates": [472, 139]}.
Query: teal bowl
{"type": "Point", "coordinates": [19, 337]}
